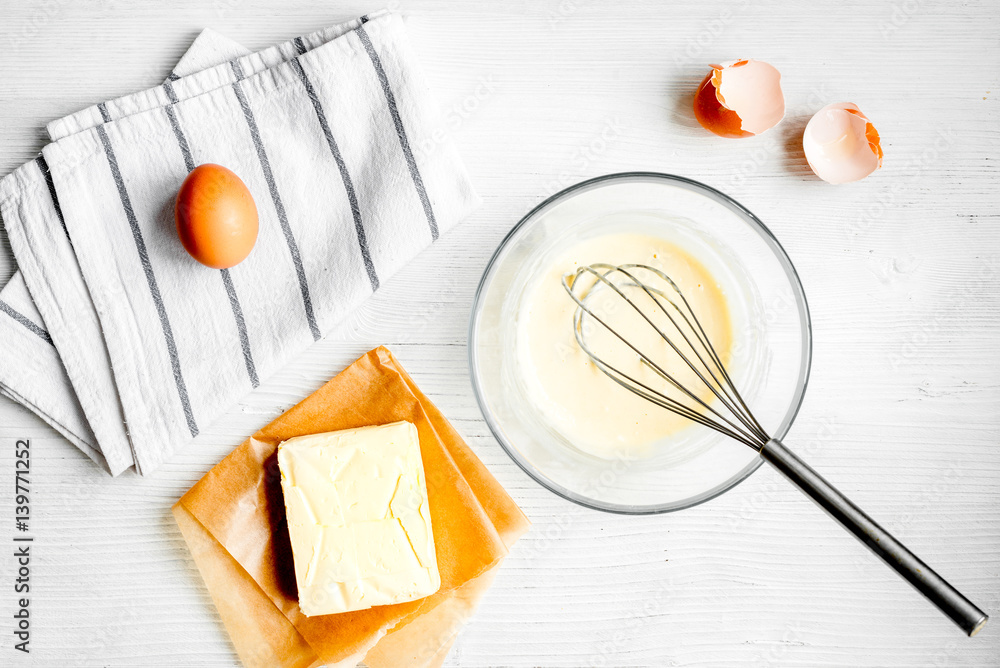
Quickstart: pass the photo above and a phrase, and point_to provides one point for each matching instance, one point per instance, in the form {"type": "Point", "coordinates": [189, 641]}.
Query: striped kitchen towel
{"type": "Point", "coordinates": [338, 139]}
{"type": "Point", "coordinates": [31, 371]}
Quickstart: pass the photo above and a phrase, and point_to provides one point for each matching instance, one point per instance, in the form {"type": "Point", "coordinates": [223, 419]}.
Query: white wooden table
{"type": "Point", "coordinates": [903, 411]}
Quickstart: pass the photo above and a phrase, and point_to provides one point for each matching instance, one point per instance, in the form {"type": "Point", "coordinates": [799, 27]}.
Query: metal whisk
{"type": "Point", "coordinates": [662, 324]}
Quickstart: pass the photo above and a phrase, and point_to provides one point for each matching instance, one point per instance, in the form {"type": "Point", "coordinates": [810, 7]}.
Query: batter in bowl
{"type": "Point", "coordinates": [590, 410]}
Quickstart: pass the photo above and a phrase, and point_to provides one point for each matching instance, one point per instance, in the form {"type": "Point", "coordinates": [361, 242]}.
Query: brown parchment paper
{"type": "Point", "coordinates": [426, 639]}
{"type": "Point", "coordinates": [233, 521]}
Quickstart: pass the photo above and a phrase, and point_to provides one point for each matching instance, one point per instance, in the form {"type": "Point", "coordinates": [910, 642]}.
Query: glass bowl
{"type": "Point", "coordinates": [770, 357]}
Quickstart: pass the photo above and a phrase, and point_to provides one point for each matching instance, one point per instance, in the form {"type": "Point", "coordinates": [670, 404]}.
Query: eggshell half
{"type": "Point", "coordinates": [742, 98]}
{"type": "Point", "coordinates": [841, 144]}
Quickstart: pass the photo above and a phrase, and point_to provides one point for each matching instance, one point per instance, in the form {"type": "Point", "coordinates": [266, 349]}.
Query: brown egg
{"type": "Point", "coordinates": [216, 217]}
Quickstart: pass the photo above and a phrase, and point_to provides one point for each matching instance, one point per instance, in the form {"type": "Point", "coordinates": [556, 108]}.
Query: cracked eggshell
{"type": "Point", "coordinates": [740, 99]}
{"type": "Point", "coordinates": [841, 144]}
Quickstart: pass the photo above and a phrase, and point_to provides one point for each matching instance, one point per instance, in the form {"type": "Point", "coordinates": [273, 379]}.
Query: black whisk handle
{"type": "Point", "coordinates": [948, 599]}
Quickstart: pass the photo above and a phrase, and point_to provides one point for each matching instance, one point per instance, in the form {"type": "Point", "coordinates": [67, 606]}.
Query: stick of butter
{"type": "Point", "coordinates": [358, 518]}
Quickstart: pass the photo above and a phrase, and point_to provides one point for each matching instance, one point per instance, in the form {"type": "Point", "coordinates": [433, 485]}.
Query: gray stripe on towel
{"type": "Point", "coordinates": [44, 166]}
{"type": "Point", "coordinates": [154, 289]}
{"type": "Point", "coordinates": [175, 124]}
{"type": "Point", "coordinates": [400, 130]}
{"type": "Point", "coordinates": [241, 326]}
{"type": "Point", "coordinates": [23, 321]}
{"type": "Point", "coordinates": [234, 300]}
{"type": "Point", "coordinates": [359, 227]}
{"type": "Point", "coordinates": [265, 165]}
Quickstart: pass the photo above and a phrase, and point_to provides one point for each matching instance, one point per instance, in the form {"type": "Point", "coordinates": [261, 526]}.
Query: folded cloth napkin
{"type": "Point", "coordinates": [337, 138]}
{"type": "Point", "coordinates": [31, 371]}
{"type": "Point", "coordinates": [32, 374]}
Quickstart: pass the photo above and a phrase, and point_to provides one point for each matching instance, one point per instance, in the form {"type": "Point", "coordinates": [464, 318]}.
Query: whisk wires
{"type": "Point", "coordinates": [661, 306]}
